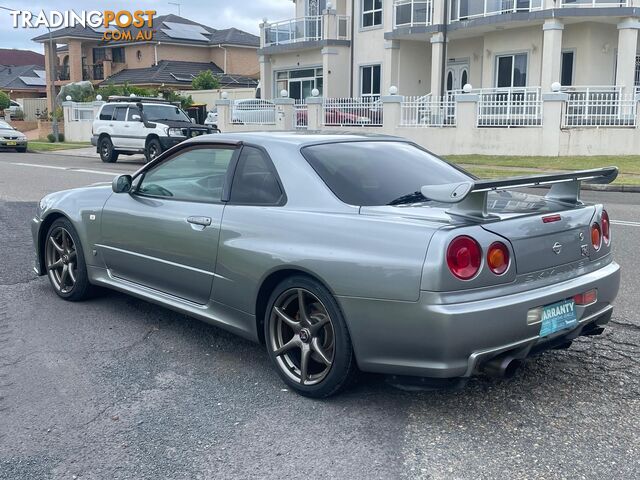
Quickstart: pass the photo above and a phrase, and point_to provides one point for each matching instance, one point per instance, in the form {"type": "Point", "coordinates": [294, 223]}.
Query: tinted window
{"type": "Point", "coordinates": [254, 181]}
{"type": "Point", "coordinates": [196, 175]}
{"type": "Point", "coordinates": [121, 114]}
{"type": "Point", "coordinates": [157, 113]}
{"type": "Point", "coordinates": [375, 173]}
{"type": "Point", "coordinates": [107, 112]}
{"type": "Point", "coordinates": [566, 77]}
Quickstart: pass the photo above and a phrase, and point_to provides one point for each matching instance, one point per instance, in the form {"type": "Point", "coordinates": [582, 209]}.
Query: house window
{"type": "Point", "coordinates": [117, 55]}
{"type": "Point", "coordinates": [637, 81]}
{"type": "Point", "coordinates": [299, 83]}
{"type": "Point", "coordinates": [370, 81]}
{"type": "Point", "coordinates": [99, 54]}
{"type": "Point", "coordinates": [371, 13]}
{"type": "Point", "coordinates": [566, 70]}
{"type": "Point", "coordinates": [315, 7]}
{"type": "Point", "coordinates": [511, 70]}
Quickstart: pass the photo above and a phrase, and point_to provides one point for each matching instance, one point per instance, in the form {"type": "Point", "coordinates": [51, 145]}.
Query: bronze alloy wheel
{"type": "Point", "coordinates": [302, 336]}
{"type": "Point", "coordinates": [61, 260]}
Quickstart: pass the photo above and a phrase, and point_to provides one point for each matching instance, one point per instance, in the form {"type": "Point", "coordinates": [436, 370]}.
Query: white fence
{"type": "Point", "coordinates": [468, 9]}
{"type": "Point", "coordinates": [363, 111]}
{"type": "Point", "coordinates": [428, 111]}
{"type": "Point", "coordinates": [511, 107]}
{"type": "Point", "coordinates": [82, 112]}
{"type": "Point", "coordinates": [600, 109]}
{"type": "Point", "coordinates": [411, 13]}
{"type": "Point", "coordinates": [301, 118]}
{"type": "Point", "coordinates": [253, 112]}
{"type": "Point", "coordinates": [593, 3]}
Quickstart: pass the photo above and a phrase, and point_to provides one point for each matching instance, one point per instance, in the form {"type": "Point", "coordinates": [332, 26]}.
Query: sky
{"type": "Point", "coordinates": [243, 14]}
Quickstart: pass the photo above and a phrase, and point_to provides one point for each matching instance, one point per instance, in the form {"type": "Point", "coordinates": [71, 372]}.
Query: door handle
{"type": "Point", "coordinates": [204, 221]}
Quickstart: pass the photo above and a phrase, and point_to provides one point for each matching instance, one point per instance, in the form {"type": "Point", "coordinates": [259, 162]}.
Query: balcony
{"type": "Point", "coordinates": [412, 13]}
{"type": "Point", "coordinates": [63, 72]}
{"type": "Point", "coordinates": [306, 29]}
{"type": "Point", "coordinates": [470, 9]}
{"type": "Point", "coordinates": [93, 72]}
{"type": "Point", "coordinates": [594, 3]}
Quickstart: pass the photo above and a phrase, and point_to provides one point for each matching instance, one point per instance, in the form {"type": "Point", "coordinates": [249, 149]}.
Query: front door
{"type": "Point", "coordinates": [164, 234]}
{"type": "Point", "coordinates": [457, 75]}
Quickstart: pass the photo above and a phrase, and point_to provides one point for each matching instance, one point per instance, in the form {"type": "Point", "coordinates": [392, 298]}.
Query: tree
{"type": "Point", "coordinates": [5, 101]}
{"type": "Point", "coordinates": [205, 80]}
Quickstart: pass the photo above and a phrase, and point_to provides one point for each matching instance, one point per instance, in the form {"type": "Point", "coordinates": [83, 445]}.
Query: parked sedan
{"type": "Point", "coordinates": [12, 138]}
{"type": "Point", "coordinates": [343, 252]}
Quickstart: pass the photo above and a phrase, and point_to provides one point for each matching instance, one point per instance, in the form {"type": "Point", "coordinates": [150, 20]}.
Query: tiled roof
{"type": "Point", "coordinates": [23, 77]}
{"type": "Point", "coordinates": [229, 36]}
{"type": "Point", "coordinates": [13, 56]}
{"type": "Point", "coordinates": [176, 73]}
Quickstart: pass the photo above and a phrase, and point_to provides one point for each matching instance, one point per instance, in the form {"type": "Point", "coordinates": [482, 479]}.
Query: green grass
{"type": "Point", "coordinates": [627, 164]}
{"type": "Point", "coordinates": [48, 147]}
{"type": "Point", "coordinates": [486, 166]}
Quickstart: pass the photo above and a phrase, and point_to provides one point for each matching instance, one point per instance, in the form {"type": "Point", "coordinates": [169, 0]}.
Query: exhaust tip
{"type": "Point", "coordinates": [502, 367]}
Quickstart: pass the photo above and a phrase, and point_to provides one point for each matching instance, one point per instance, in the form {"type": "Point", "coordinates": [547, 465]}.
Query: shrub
{"type": "Point", "coordinates": [61, 137]}
{"type": "Point", "coordinates": [205, 80]}
{"type": "Point", "coordinates": [51, 138]}
{"type": "Point", "coordinates": [18, 115]}
{"type": "Point", "coordinates": [5, 101]}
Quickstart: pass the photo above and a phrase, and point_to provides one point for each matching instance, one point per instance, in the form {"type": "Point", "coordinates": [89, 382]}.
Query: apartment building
{"type": "Point", "coordinates": [179, 49]}
{"type": "Point", "coordinates": [360, 48]}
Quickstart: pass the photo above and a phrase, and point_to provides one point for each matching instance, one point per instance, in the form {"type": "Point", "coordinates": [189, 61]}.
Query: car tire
{"type": "Point", "coordinates": [21, 149]}
{"type": "Point", "coordinates": [65, 263]}
{"type": "Point", "coordinates": [319, 335]}
{"type": "Point", "coordinates": [152, 150]}
{"type": "Point", "coordinates": [107, 153]}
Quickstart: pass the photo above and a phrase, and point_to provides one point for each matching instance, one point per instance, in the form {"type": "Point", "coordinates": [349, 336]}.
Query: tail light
{"type": "Point", "coordinates": [606, 229]}
{"type": "Point", "coordinates": [498, 258]}
{"type": "Point", "coordinates": [587, 298]}
{"type": "Point", "coordinates": [464, 257]}
{"type": "Point", "coordinates": [596, 236]}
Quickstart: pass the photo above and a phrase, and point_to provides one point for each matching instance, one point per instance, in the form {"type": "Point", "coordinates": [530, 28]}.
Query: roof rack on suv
{"type": "Point", "coordinates": [119, 98]}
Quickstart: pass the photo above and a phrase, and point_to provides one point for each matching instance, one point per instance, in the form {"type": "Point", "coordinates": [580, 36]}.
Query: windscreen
{"type": "Point", "coordinates": [158, 113]}
{"type": "Point", "coordinates": [378, 172]}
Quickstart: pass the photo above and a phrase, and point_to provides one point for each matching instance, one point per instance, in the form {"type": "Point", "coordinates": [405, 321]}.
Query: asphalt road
{"type": "Point", "coordinates": [118, 388]}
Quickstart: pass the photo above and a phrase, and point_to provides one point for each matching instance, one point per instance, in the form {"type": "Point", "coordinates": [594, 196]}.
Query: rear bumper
{"type": "Point", "coordinates": [94, 140]}
{"type": "Point", "coordinates": [432, 339]}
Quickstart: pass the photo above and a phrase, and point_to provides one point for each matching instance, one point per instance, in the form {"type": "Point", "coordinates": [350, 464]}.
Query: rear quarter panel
{"type": "Point", "coordinates": [353, 255]}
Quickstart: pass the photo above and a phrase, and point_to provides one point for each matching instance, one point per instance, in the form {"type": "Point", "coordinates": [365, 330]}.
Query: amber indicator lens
{"type": "Point", "coordinates": [498, 258]}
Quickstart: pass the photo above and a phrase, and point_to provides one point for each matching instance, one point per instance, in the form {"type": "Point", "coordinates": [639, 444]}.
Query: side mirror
{"type": "Point", "coordinates": [121, 184]}
{"type": "Point", "coordinates": [136, 118]}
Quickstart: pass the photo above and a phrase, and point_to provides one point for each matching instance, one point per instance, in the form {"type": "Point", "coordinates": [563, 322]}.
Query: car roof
{"type": "Point", "coordinates": [292, 138]}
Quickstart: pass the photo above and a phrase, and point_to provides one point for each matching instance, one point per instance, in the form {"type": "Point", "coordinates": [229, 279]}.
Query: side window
{"type": "Point", "coordinates": [194, 175]}
{"type": "Point", "coordinates": [254, 181]}
{"type": "Point", "coordinates": [121, 114]}
{"type": "Point", "coordinates": [107, 112]}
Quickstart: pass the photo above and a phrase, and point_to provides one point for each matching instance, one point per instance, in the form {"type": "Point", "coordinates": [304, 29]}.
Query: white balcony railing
{"type": "Point", "coordinates": [594, 106]}
{"type": "Point", "coordinates": [412, 13]}
{"type": "Point", "coordinates": [469, 9]}
{"type": "Point", "coordinates": [593, 3]}
{"type": "Point", "coordinates": [509, 107]}
{"type": "Point", "coordinates": [428, 111]}
{"type": "Point", "coordinates": [303, 29]}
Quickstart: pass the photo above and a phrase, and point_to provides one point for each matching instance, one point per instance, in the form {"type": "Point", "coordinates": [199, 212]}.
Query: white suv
{"type": "Point", "coordinates": [129, 125]}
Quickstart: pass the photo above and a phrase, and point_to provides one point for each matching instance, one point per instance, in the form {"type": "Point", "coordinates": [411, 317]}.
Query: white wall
{"type": "Point", "coordinates": [595, 45]}
{"type": "Point", "coordinates": [415, 69]}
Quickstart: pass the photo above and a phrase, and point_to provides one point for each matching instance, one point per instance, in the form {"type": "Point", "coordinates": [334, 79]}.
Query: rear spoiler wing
{"type": "Point", "coordinates": [469, 199]}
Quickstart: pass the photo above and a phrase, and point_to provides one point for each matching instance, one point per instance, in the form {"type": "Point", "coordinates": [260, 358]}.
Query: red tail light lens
{"type": "Point", "coordinates": [596, 236]}
{"type": "Point", "coordinates": [606, 229]}
{"type": "Point", "coordinates": [498, 258]}
{"type": "Point", "coordinates": [586, 298]}
{"type": "Point", "coordinates": [464, 257]}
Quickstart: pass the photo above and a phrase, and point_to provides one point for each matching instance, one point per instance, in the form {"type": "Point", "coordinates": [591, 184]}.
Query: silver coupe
{"type": "Point", "coordinates": [343, 252]}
